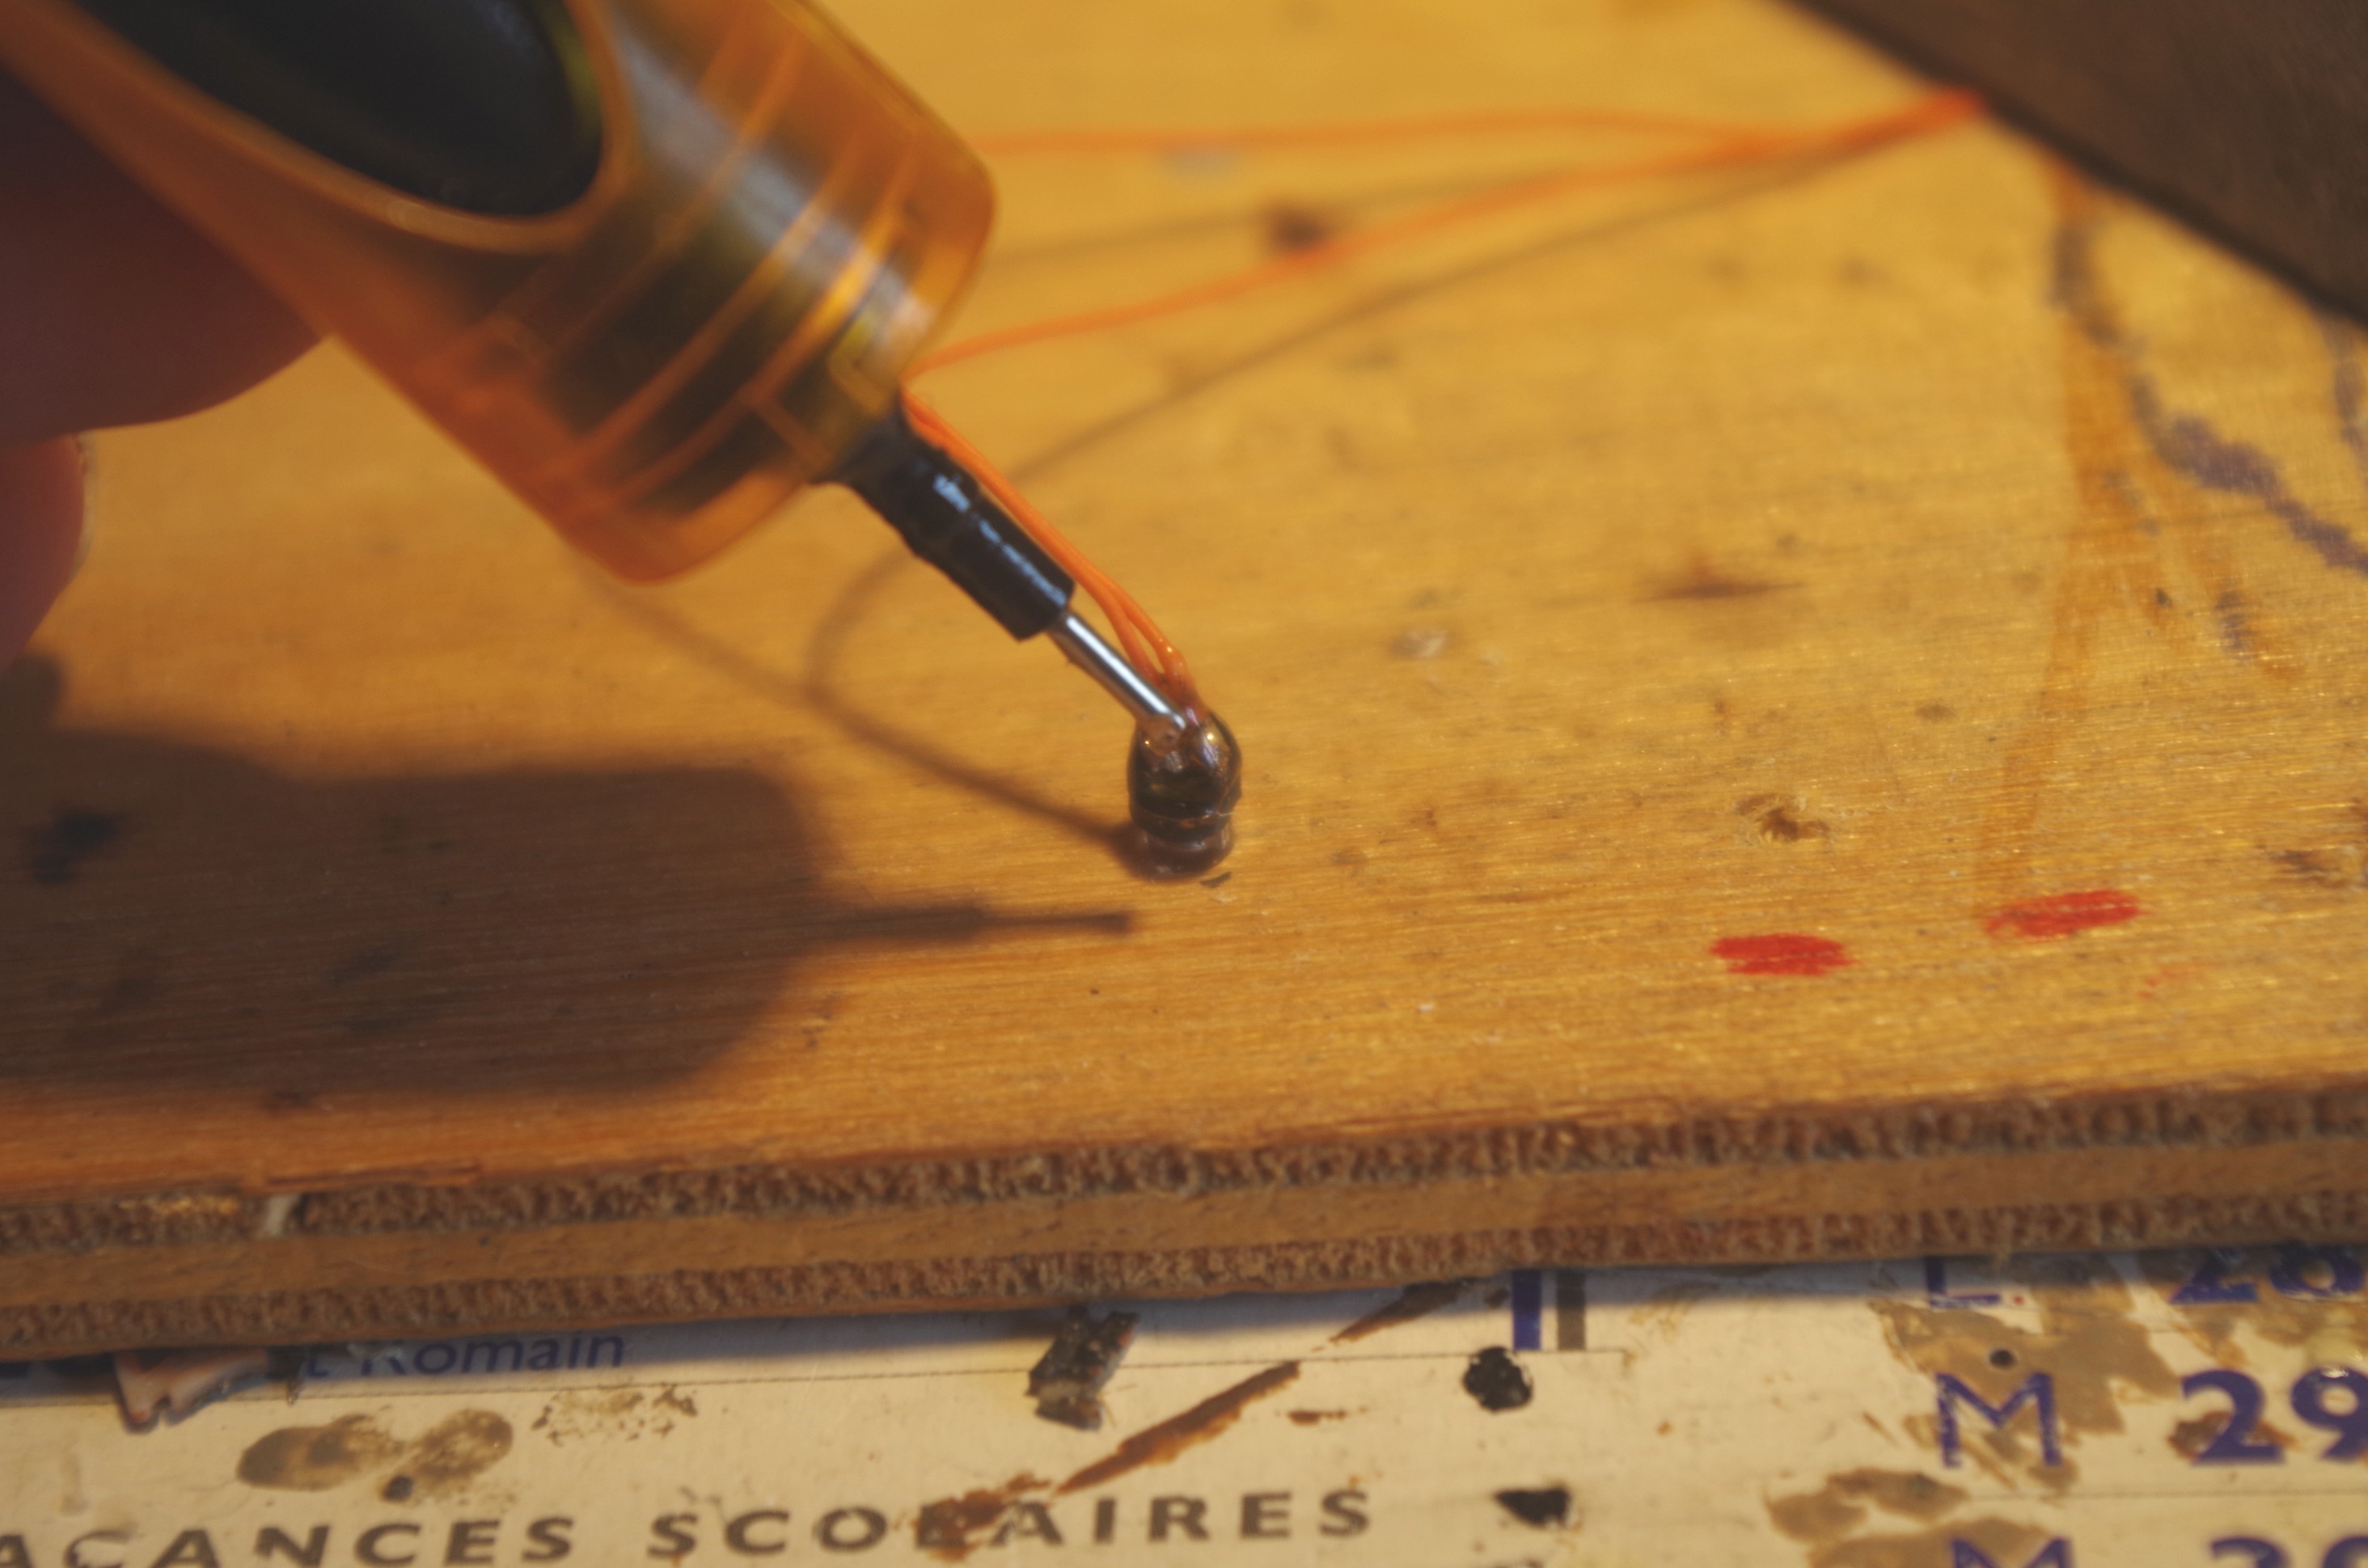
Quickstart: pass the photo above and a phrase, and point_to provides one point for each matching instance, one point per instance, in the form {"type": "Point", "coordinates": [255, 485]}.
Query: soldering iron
{"type": "Point", "coordinates": [658, 264]}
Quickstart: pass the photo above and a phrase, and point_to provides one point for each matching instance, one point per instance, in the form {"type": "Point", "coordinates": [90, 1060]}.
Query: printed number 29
{"type": "Point", "coordinates": [2300, 1272]}
{"type": "Point", "coordinates": [2237, 1444]}
{"type": "Point", "coordinates": [2351, 1551]}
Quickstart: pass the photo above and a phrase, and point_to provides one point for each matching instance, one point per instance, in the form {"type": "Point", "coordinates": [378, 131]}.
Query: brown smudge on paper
{"type": "Point", "coordinates": [454, 1452]}
{"type": "Point", "coordinates": [949, 1528]}
{"type": "Point", "coordinates": [1840, 1506]}
{"type": "Point", "coordinates": [446, 1459]}
{"type": "Point", "coordinates": [1159, 1444]}
{"type": "Point", "coordinates": [577, 1415]}
{"type": "Point", "coordinates": [1414, 1301]}
{"type": "Point", "coordinates": [2331, 1328]}
{"type": "Point", "coordinates": [2000, 1541]}
{"type": "Point", "coordinates": [2191, 1436]}
{"type": "Point", "coordinates": [1826, 1521]}
{"type": "Point", "coordinates": [314, 1459]}
{"type": "Point", "coordinates": [1814, 1515]}
{"type": "Point", "coordinates": [1313, 1417]}
{"type": "Point", "coordinates": [2088, 1341]}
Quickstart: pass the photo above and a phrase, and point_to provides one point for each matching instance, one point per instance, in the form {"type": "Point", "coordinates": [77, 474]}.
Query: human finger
{"type": "Point", "coordinates": [41, 534]}
{"type": "Point", "coordinates": [112, 309]}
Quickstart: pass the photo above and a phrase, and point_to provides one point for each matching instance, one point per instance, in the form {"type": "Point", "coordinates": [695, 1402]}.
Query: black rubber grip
{"type": "Point", "coordinates": [954, 525]}
{"type": "Point", "coordinates": [486, 105]}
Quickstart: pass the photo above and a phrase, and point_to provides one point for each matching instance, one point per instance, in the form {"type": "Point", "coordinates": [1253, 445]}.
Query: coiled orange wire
{"type": "Point", "coordinates": [1148, 648]}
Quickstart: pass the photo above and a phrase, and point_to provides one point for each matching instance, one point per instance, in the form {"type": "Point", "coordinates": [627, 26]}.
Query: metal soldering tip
{"type": "Point", "coordinates": [1154, 715]}
{"type": "Point", "coordinates": [1183, 773]}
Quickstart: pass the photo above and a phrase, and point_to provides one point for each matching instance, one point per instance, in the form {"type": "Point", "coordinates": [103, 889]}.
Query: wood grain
{"type": "Point", "coordinates": [1924, 557]}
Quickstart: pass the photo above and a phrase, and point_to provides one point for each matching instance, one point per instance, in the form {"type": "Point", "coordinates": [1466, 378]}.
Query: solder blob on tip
{"type": "Point", "coordinates": [1181, 796]}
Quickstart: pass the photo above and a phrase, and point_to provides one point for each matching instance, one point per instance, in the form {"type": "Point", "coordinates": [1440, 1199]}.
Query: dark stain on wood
{"type": "Point", "coordinates": [1705, 581]}
{"type": "Point", "coordinates": [54, 852]}
{"type": "Point", "coordinates": [1289, 228]}
{"type": "Point", "coordinates": [1779, 819]}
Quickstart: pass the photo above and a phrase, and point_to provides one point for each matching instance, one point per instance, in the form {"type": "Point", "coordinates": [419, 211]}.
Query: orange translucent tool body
{"type": "Point", "coordinates": [659, 263]}
{"type": "Point", "coordinates": [767, 228]}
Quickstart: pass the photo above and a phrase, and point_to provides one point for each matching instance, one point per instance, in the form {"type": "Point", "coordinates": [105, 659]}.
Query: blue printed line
{"type": "Point", "coordinates": [1529, 1307]}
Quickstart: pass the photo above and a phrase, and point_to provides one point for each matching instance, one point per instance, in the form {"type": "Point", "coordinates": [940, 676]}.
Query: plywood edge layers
{"type": "Point", "coordinates": [406, 1284]}
{"type": "Point", "coordinates": [361, 1202]}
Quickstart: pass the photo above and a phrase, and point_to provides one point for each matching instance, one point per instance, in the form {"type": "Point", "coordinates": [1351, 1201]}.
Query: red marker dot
{"type": "Point", "coordinates": [1781, 952]}
{"type": "Point", "coordinates": [2061, 914]}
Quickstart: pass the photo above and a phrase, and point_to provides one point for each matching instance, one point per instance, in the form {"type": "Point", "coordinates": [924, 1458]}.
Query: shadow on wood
{"type": "Point", "coordinates": [176, 916]}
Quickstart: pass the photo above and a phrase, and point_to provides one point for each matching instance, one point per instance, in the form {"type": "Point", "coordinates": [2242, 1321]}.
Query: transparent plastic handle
{"type": "Point", "coordinates": [773, 231]}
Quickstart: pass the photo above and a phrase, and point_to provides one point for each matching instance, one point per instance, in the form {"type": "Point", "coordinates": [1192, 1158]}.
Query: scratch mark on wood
{"type": "Point", "coordinates": [1705, 580]}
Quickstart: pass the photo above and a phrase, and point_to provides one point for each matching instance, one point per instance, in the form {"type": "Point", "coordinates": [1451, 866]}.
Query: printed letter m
{"type": "Point", "coordinates": [2037, 1388]}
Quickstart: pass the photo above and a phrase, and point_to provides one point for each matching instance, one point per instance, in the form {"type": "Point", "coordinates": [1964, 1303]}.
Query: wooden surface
{"type": "Point", "coordinates": [408, 929]}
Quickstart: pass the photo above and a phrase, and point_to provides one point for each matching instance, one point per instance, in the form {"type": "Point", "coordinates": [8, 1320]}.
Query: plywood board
{"type": "Point", "coordinates": [1799, 711]}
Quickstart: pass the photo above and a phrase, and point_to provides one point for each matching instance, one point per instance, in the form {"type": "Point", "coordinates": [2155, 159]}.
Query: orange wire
{"type": "Point", "coordinates": [1145, 645]}
{"type": "Point", "coordinates": [1484, 122]}
{"type": "Point", "coordinates": [1929, 114]}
